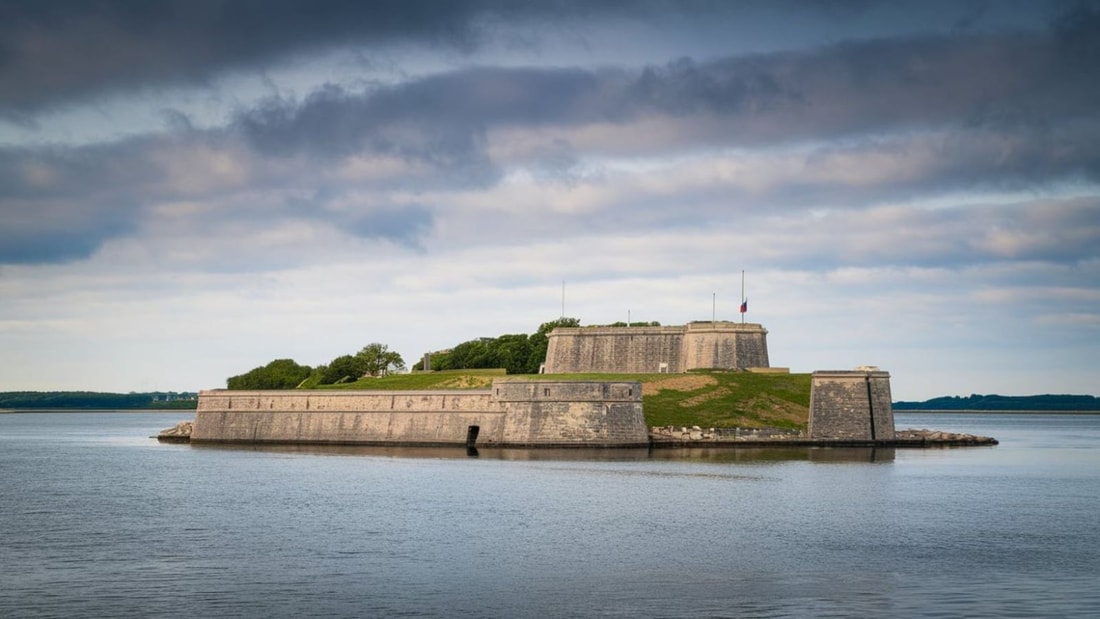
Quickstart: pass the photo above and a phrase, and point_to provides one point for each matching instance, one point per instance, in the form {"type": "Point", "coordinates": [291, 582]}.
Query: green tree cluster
{"type": "Point", "coordinates": [342, 369]}
{"type": "Point", "coordinates": [279, 374]}
{"type": "Point", "coordinates": [379, 360]}
{"type": "Point", "coordinates": [516, 353]}
{"type": "Point", "coordinates": [374, 359]}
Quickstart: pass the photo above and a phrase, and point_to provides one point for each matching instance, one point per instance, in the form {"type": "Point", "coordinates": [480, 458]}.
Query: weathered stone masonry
{"type": "Point", "coordinates": [697, 345]}
{"type": "Point", "coordinates": [511, 413]}
{"type": "Point", "coordinates": [851, 405]}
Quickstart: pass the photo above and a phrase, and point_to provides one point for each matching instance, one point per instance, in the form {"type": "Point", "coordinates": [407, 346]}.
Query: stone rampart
{"type": "Point", "coordinates": [511, 413]}
{"type": "Point", "coordinates": [698, 345]}
{"type": "Point", "coordinates": [572, 413]}
{"type": "Point", "coordinates": [851, 405]}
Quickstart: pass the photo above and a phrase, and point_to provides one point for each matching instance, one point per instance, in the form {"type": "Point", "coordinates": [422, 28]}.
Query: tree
{"type": "Point", "coordinates": [279, 374]}
{"type": "Point", "coordinates": [342, 369]}
{"type": "Point", "coordinates": [378, 360]}
{"type": "Point", "coordinates": [512, 352]}
{"type": "Point", "coordinates": [470, 355]}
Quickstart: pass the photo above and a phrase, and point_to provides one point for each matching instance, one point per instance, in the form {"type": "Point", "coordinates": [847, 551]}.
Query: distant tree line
{"type": "Point", "coordinates": [975, 402]}
{"type": "Point", "coordinates": [93, 400]}
{"type": "Point", "coordinates": [374, 359]}
{"type": "Point", "coordinates": [516, 353]}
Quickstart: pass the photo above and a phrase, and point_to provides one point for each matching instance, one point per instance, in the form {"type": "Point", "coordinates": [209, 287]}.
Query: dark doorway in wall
{"type": "Point", "coordinates": [471, 435]}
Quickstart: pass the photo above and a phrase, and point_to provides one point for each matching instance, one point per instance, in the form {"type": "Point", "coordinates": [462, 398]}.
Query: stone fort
{"type": "Point", "coordinates": [653, 350]}
{"type": "Point", "coordinates": [845, 406]}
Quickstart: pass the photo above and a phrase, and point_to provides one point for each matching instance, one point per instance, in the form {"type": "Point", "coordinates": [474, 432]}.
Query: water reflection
{"type": "Point", "coordinates": [753, 454]}
{"type": "Point", "coordinates": [776, 454]}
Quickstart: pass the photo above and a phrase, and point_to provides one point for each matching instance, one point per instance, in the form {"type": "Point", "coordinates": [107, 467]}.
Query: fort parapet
{"type": "Point", "coordinates": [510, 413]}
{"type": "Point", "coordinates": [643, 350]}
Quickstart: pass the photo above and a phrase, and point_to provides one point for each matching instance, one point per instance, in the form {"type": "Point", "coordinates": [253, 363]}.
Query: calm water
{"type": "Point", "coordinates": [96, 519]}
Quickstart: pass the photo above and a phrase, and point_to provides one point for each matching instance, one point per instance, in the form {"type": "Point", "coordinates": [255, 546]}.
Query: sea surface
{"type": "Point", "coordinates": [99, 520]}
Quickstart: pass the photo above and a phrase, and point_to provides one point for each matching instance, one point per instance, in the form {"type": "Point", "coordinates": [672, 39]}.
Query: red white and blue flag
{"type": "Point", "coordinates": [744, 306]}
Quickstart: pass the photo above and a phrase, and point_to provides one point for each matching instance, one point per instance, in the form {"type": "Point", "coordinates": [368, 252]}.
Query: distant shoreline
{"type": "Point", "coordinates": [8, 411]}
{"type": "Point", "coordinates": [974, 411]}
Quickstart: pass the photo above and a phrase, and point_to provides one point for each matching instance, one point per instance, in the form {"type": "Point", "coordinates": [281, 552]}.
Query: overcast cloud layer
{"type": "Point", "coordinates": [191, 189]}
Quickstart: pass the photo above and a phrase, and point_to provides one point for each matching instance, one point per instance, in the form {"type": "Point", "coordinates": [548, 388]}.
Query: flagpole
{"type": "Point", "coordinates": [713, 306]}
{"type": "Point", "coordinates": [743, 296]}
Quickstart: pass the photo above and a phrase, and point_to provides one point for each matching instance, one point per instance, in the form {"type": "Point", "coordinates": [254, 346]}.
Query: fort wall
{"type": "Point", "coordinates": [511, 413]}
{"type": "Point", "coordinates": [699, 345]}
{"type": "Point", "coordinates": [851, 405]}
{"type": "Point", "coordinates": [572, 412]}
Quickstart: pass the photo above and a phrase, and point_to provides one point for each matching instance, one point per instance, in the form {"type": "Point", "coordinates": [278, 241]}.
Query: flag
{"type": "Point", "coordinates": [744, 306]}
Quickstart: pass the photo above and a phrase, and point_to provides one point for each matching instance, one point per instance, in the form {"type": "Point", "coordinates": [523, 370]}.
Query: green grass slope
{"type": "Point", "coordinates": [709, 399]}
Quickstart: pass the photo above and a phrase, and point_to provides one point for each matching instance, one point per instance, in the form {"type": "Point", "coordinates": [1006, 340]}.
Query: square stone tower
{"type": "Point", "coordinates": [852, 405]}
{"type": "Point", "coordinates": [697, 345]}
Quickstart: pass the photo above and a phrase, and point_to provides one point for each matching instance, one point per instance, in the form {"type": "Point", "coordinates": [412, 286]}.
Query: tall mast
{"type": "Point", "coordinates": [744, 301]}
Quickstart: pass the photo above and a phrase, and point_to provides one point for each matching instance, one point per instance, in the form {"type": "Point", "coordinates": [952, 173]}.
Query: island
{"type": "Point", "coordinates": [565, 406]}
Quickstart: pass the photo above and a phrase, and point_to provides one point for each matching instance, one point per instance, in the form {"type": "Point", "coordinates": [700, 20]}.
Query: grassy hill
{"type": "Point", "coordinates": [705, 398]}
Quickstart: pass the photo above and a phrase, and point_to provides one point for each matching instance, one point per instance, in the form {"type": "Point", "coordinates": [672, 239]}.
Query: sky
{"type": "Point", "coordinates": [192, 188]}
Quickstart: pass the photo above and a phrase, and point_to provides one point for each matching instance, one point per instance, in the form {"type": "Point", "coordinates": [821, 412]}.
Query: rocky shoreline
{"type": "Point", "coordinates": [933, 438]}
{"type": "Point", "coordinates": [179, 433]}
{"type": "Point", "coordinates": [673, 436]}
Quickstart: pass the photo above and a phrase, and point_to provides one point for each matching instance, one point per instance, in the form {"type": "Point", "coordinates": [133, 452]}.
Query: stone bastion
{"type": "Point", "coordinates": [644, 350]}
{"type": "Point", "coordinates": [851, 405]}
{"type": "Point", "coordinates": [512, 413]}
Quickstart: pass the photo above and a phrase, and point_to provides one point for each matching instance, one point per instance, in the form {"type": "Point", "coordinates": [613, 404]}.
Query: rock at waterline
{"type": "Point", "coordinates": [179, 433]}
{"type": "Point", "coordinates": [936, 437]}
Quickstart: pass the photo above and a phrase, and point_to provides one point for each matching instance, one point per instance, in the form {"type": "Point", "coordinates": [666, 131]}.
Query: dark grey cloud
{"type": "Point", "coordinates": [33, 232]}
{"type": "Point", "coordinates": [120, 171]}
{"type": "Point", "coordinates": [59, 204]}
{"type": "Point", "coordinates": [59, 51]}
{"type": "Point", "coordinates": [405, 224]}
{"type": "Point", "coordinates": [1032, 87]}
{"type": "Point", "coordinates": [441, 119]}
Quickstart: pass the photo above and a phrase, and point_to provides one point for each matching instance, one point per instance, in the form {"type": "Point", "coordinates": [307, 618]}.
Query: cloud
{"type": "Point", "coordinates": [887, 151]}
{"type": "Point", "coordinates": [1019, 90]}
{"type": "Point", "coordinates": [59, 204]}
{"type": "Point", "coordinates": [59, 51]}
{"type": "Point", "coordinates": [44, 241]}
